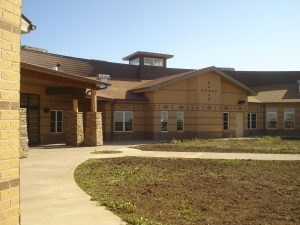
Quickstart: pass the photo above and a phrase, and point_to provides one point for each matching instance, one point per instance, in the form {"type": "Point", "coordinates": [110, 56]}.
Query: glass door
{"type": "Point", "coordinates": [32, 104]}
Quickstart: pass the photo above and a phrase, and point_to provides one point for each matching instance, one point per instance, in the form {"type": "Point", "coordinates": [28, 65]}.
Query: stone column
{"type": "Point", "coordinates": [73, 128]}
{"type": "Point", "coordinates": [93, 129]}
{"type": "Point", "coordinates": [23, 134]}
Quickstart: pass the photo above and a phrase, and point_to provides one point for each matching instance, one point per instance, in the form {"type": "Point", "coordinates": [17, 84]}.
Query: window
{"type": "Point", "coordinates": [123, 121]}
{"type": "Point", "coordinates": [153, 62]}
{"type": "Point", "coordinates": [164, 121]}
{"type": "Point", "coordinates": [56, 121]}
{"type": "Point", "coordinates": [271, 118]}
{"type": "Point", "coordinates": [226, 120]}
{"type": "Point", "coordinates": [135, 62]}
{"type": "Point", "coordinates": [252, 120]}
{"type": "Point", "coordinates": [180, 121]}
{"type": "Point", "coordinates": [289, 118]}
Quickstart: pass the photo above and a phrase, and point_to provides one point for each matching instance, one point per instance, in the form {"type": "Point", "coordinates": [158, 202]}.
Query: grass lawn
{"type": "Point", "coordinates": [146, 191]}
{"type": "Point", "coordinates": [250, 145]}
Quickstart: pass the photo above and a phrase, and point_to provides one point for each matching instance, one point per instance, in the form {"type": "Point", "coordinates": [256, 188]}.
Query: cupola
{"type": "Point", "coordinates": [148, 59]}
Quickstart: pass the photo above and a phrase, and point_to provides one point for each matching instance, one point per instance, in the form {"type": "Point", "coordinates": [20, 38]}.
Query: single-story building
{"type": "Point", "coordinates": [145, 99]}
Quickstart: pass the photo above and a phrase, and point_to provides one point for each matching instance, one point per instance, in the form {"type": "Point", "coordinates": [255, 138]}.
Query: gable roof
{"type": "Point", "coordinates": [158, 83]}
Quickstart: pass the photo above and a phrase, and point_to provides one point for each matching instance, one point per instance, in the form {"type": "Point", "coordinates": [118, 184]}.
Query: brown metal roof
{"type": "Point", "coordinates": [85, 81]}
{"type": "Point", "coordinates": [276, 93]}
{"type": "Point", "coordinates": [262, 78]}
{"type": "Point", "coordinates": [129, 77]}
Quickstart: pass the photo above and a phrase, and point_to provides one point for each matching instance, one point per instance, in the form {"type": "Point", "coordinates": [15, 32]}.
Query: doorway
{"type": "Point", "coordinates": [32, 104]}
{"type": "Point", "coordinates": [239, 124]}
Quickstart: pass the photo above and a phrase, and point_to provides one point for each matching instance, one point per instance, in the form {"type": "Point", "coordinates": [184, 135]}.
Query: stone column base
{"type": "Point", "coordinates": [93, 129]}
{"type": "Point", "coordinates": [23, 134]}
{"type": "Point", "coordinates": [73, 128]}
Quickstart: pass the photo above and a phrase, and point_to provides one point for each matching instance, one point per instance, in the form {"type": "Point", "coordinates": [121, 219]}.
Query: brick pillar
{"type": "Point", "coordinates": [23, 134]}
{"type": "Point", "coordinates": [73, 128]}
{"type": "Point", "coordinates": [10, 23]}
{"type": "Point", "coordinates": [93, 129]}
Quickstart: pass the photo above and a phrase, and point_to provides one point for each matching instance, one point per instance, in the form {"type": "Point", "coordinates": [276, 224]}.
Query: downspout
{"type": "Point", "coordinates": [112, 134]}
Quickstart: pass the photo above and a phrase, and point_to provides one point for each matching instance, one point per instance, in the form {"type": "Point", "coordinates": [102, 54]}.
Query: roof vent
{"type": "Point", "coordinates": [103, 78]}
{"type": "Point", "coordinates": [26, 47]}
{"type": "Point", "coordinates": [56, 67]}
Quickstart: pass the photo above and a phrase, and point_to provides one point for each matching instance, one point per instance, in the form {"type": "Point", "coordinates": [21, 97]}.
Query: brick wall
{"type": "Point", "coordinates": [10, 20]}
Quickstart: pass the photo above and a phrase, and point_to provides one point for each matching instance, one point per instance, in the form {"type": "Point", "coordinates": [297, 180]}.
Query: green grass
{"type": "Point", "coordinates": [147, 191]}
{"type": "Point", "coordinates": [247, 145]}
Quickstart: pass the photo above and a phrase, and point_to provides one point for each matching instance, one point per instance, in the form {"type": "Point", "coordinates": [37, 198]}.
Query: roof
{"type": "Point", "coordinates": [91, 67]}
{"type": "Point", "coordinates": [158, 83]}
{"type": "Point", "coordinates": [83, 80]}
{"type": "Point", "coordinates": [263, 78]}
{"type": "Point", "coordinates": [129, 77]}
{"type": "Point", "coordinates": [119, 90]}
{"type": "Point", "coordinates": [147, 54]}
{"type": "Point", "coordinates": [276, 93]}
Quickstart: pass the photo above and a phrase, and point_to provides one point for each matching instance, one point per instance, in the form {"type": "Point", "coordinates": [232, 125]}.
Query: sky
{"type": "Point", "coordinates": [242, 34]}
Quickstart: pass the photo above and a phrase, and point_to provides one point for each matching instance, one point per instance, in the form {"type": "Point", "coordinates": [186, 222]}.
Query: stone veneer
{"type": "Point", "coordinates": [10, 24]}
{"type": "Point", "coordinates": [73, 128]}
{"type": "Point", "coordinates": [93, 129]}
{"type": "Point", "coordinates": [23, 134]}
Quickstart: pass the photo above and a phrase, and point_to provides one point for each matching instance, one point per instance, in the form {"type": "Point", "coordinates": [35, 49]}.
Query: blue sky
{"type": "Point", "coordinates": [246, 35]}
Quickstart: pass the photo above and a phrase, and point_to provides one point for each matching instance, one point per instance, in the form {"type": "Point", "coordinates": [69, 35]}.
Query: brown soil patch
{"type": "Point", "coordinates": [191, 191]}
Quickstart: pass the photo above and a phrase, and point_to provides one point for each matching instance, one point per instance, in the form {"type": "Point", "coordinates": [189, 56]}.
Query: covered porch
{"type": "Point", "coordinates": [58, 107]}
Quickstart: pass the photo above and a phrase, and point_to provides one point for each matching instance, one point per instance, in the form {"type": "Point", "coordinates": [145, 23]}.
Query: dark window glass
{"type": "Point", "coordinates": [226, 121]}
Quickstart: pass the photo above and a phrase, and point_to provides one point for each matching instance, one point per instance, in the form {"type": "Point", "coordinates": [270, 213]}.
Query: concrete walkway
{"type": "Point", "coordinates": [50, 196]}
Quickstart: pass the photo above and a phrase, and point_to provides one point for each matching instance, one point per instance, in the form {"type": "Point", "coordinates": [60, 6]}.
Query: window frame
{"type": "Point", "coordinates": [124, 122]}
{"type": "Point", "coordinates": [183, 118]}
{"type": "Point", "coordinates": [228, 122]}
{"type": "Point", "coordinates": [276, 113]}
{"type": "Point", "coordinates": [284, 120]}
{"type": "Point", "coordinates": [56, 122]}
{"type": "Point", "coordinates": [250, 121]}
{"type": "Point", "coordinates": [135, 62]}
{"type": "Point", "coordinates": [161, 61]}
{"type": "Point", "coordinates": [161, 116]}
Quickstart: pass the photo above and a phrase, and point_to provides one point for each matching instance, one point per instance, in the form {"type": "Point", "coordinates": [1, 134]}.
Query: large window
{"type": "Point", "coordinates": [180, 121]}
{"type": "Point", "coordinates": [135, 62]}
{"type": "Point", "coordinates": [56, 121]}
{"type": "Point", "coordinates": [123, 121]}
{"type": "Point", "coordinates": [226, 121]}
{"type": "Point", "coordinates": [271, 118]}
{"type": "Point", "coordinates": [289, 118]}
{"type": "Point", "coordinates": [153, 62]}
{"type": "Point", "coordinates": [164, 121]}
{"type": "Point", "coordinates": [252, 121]}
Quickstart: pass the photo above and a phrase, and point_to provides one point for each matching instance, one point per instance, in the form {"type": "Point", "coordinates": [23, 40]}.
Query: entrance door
{"type": "Point", "coordinates": [32, 104]}
{"type": "Point", "coordinates": [239, 125]}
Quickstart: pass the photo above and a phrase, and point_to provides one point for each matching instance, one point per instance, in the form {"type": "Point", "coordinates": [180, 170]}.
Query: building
{"type": "Point", "coordinates": [12, 24]}
{"type": "Point", "coordinates": [145, 99]}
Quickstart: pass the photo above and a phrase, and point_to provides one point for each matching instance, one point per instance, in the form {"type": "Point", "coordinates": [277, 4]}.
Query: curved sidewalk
{"type": "Point", "coordinates": [49, 194]}
{"type": "Point", "coordinates": [209, 155]}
